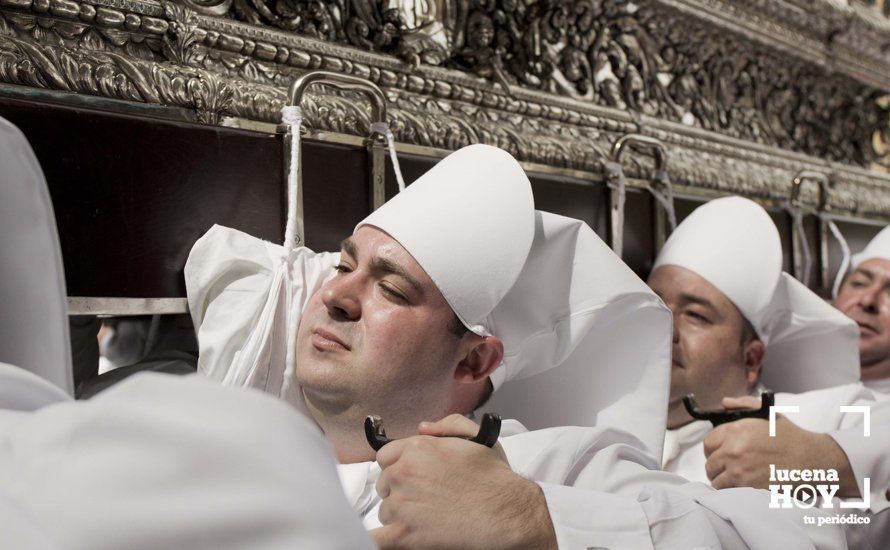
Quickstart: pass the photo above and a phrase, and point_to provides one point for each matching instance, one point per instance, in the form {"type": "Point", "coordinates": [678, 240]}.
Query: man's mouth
{"type": "Point", "coordinates": [324, 340]}
{"type": "Point", "coordinates": [865, 328]}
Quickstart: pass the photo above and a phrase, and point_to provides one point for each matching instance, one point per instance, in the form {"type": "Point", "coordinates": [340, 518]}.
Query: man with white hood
{"type": "Point", "coordinates": [741, 324]}
{"type": "Point", "coordinates": [437, 299]}
{"type": "Point", "coordinates": [155, 462]}
{"type": "Point", "coordinates": [865, 298]}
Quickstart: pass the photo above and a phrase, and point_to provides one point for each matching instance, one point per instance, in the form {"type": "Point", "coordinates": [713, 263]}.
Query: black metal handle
{"type": "Point", "coordinates": [488, 431]}
{"type": "Point", "coordinates": [767, 400]}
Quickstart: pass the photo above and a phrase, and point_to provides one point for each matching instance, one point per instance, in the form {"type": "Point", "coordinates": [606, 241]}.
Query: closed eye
{"type": "Point", "coordinates": [392, 292]}
{"type": "Point", "coordinates": [698, 317]}
{"type": "Point", "coordinates": [342, 268]}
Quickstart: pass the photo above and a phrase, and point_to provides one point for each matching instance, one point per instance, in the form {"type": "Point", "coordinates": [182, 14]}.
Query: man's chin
{"type": "Point", "coordinates": [872, 351]}
{"type": "Point", "coordinates": [328, 399]}
{"type": "Point", "coordinates": [674, 399]}
{"type": "Point", "coordinates": [679, 389]}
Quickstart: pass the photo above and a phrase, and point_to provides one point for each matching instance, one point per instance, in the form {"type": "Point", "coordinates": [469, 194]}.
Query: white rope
{"type": "Point", "coordinates": [290, 355]}
{"type": "Point", "coordinates": [666, 199]}
{"type": "Point", "coordinates": [616, 181]}
{"type": "Point", "coordinates": [845, 252]}
{"type": "Point", "coordinates": [797, 223]}
{"type": "Point", "coordinates": [383, 129]}
{"type": "Point", "coordinates": [292, 116]}
{"type": "Point", "coordinates": [391, 141]}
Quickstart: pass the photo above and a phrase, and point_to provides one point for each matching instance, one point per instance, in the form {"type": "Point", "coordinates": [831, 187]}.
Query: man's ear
{"type": "Point", "coordinates": [481, 359]}
{"type": "Point", "coordinates": [755, 352]}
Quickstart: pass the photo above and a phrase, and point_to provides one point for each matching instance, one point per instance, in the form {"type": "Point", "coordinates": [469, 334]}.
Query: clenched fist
{"type": "Point", "coordinates": [445, 492]}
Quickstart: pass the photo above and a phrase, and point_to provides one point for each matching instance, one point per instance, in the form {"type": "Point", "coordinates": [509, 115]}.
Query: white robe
{"type": "Point", "coordinates": [160, 461]}
{"type": "Point", "coordinates": [880, 388]}
{"type": "Point", "coordinates": [602, 491]}
{"type": "Point", "coordinates": [819, 412]}
{"type": "Point", "coordinates": [241, 324]}
{"type": "Point", "coordinates": [226, 275]}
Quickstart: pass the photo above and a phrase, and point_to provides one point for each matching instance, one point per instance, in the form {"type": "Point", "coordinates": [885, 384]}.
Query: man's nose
{"type": "Point", "coordinates": [868, 300]}
{"type": "Point", "coordinates": [341, 298]}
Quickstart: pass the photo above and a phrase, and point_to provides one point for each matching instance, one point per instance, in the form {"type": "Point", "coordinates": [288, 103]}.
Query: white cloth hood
{"type": "Point", "coordinates": [733, 244]}
{"type": "Point", "coordinates": [469, 223]}
{"type": "Point", "coordinates": [878, 247]}
{"type": "Point", "coordinates": [586, 342]}
{"type": "Point", "coordinates": [162, 461]}
{"type": "Point", "coordinates": [575, 305]}
{"type": "Point", "coordinates": [245, 295]}
{"type": "Point", "coordinates": [33, 304]}
{"type": "Point", "coordinates": [21, 390]}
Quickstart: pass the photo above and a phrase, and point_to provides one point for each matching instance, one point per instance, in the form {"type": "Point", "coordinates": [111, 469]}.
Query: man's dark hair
{"type": "Point", "coordinates": [457, 327]}
{"type": "Point", "coordinates": [748, 336]}
{"type": "Point", "coordinates": [748, 332]}
{"type": "Point", "coordinates": [489, 389]}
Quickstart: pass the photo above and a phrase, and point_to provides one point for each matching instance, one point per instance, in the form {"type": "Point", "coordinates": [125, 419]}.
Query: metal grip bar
{"type": "Point", "coordinates": [640, 140]}
{"type": "Point", "coordinates": [376, 142]}
{"type": "Point", "coordinates": [798, 244]}
{"type": "Point", "coordinates": [665, 213]}
{"type": "Point", "coordinates": [767, 400]}
{"type": "Point", "coordinates": [343, 82]}
{"type": "Point", "coordinates": [488, 431]}
{"type": "Point", "coordinates": [812, 175]}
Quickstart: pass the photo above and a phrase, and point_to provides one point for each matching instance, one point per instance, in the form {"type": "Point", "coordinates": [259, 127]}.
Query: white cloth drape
{"type": "Point", "coordinates": [159, 461]}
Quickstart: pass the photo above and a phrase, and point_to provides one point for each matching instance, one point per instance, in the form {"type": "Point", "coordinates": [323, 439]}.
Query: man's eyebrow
{"type": "Point", "coordinates": [698, 300]}
{"type": "Point", "coordinates": [865, 272]}
{"type": "Point", "coordinates": [348, 245]}
{"type": "Point", "coordinates": [385, 265]}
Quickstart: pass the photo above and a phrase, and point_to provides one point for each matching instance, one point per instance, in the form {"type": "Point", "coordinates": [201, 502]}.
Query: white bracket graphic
{"type": "Point", "coordinates": [779, 409]}
{"type": "Point", "coordinates": [866, 412]}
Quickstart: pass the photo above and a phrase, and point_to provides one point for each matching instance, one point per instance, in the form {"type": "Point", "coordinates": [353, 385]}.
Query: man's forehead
{"type": "Point", "coordinates": [685, 285]}
{"type": "Point", "coordinates": [370, 240]}
{"type": "Point", "coordinates": [874, 267]}
{"type": "Point", "coordinates": [370, 243]}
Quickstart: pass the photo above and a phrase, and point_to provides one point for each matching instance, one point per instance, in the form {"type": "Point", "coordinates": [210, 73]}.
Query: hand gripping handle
{"type": "Point", "coordinates": [488, 431]}
{"type": "Point", "coordinates": [767, 400]}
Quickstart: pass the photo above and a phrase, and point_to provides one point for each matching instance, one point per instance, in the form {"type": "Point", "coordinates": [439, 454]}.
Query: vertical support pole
{"type": "Point", "coordinates": [377, 158]}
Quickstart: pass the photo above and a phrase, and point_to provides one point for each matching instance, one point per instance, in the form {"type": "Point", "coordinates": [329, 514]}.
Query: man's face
{"type": "Point", "coordinates": [376, 339]}
{"type": "Point", "coordinates": [865, 298]}
{"type": "Point", "coordinates": [708, 352]}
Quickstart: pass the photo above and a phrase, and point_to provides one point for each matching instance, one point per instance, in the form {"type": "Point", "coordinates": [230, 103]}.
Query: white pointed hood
{"type": "Point", "coordinates": [878, 247]}
{"type": "Point", "coordinates": [733, 244]}
{"type": "Point", "coordinates": [33, 304]}
{"type": "Point", "coordinates": [160, 461]}
{"type": "Point", "coordinates": [586, 341]}
{"type": "Point", "coordinates": [469, 223]}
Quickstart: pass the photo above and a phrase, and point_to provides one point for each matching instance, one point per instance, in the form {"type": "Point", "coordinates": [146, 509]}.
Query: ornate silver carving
{"type": "Point", "coordinates": [617, 54]}
{"type": "Point", "coordinates": [553, 82]}
{"type": "Point", "coordinates": [112, 75]}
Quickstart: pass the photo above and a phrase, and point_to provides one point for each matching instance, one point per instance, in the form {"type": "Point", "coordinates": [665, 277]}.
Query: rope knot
{"type": "Point", "coordinates": [292, 115]}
